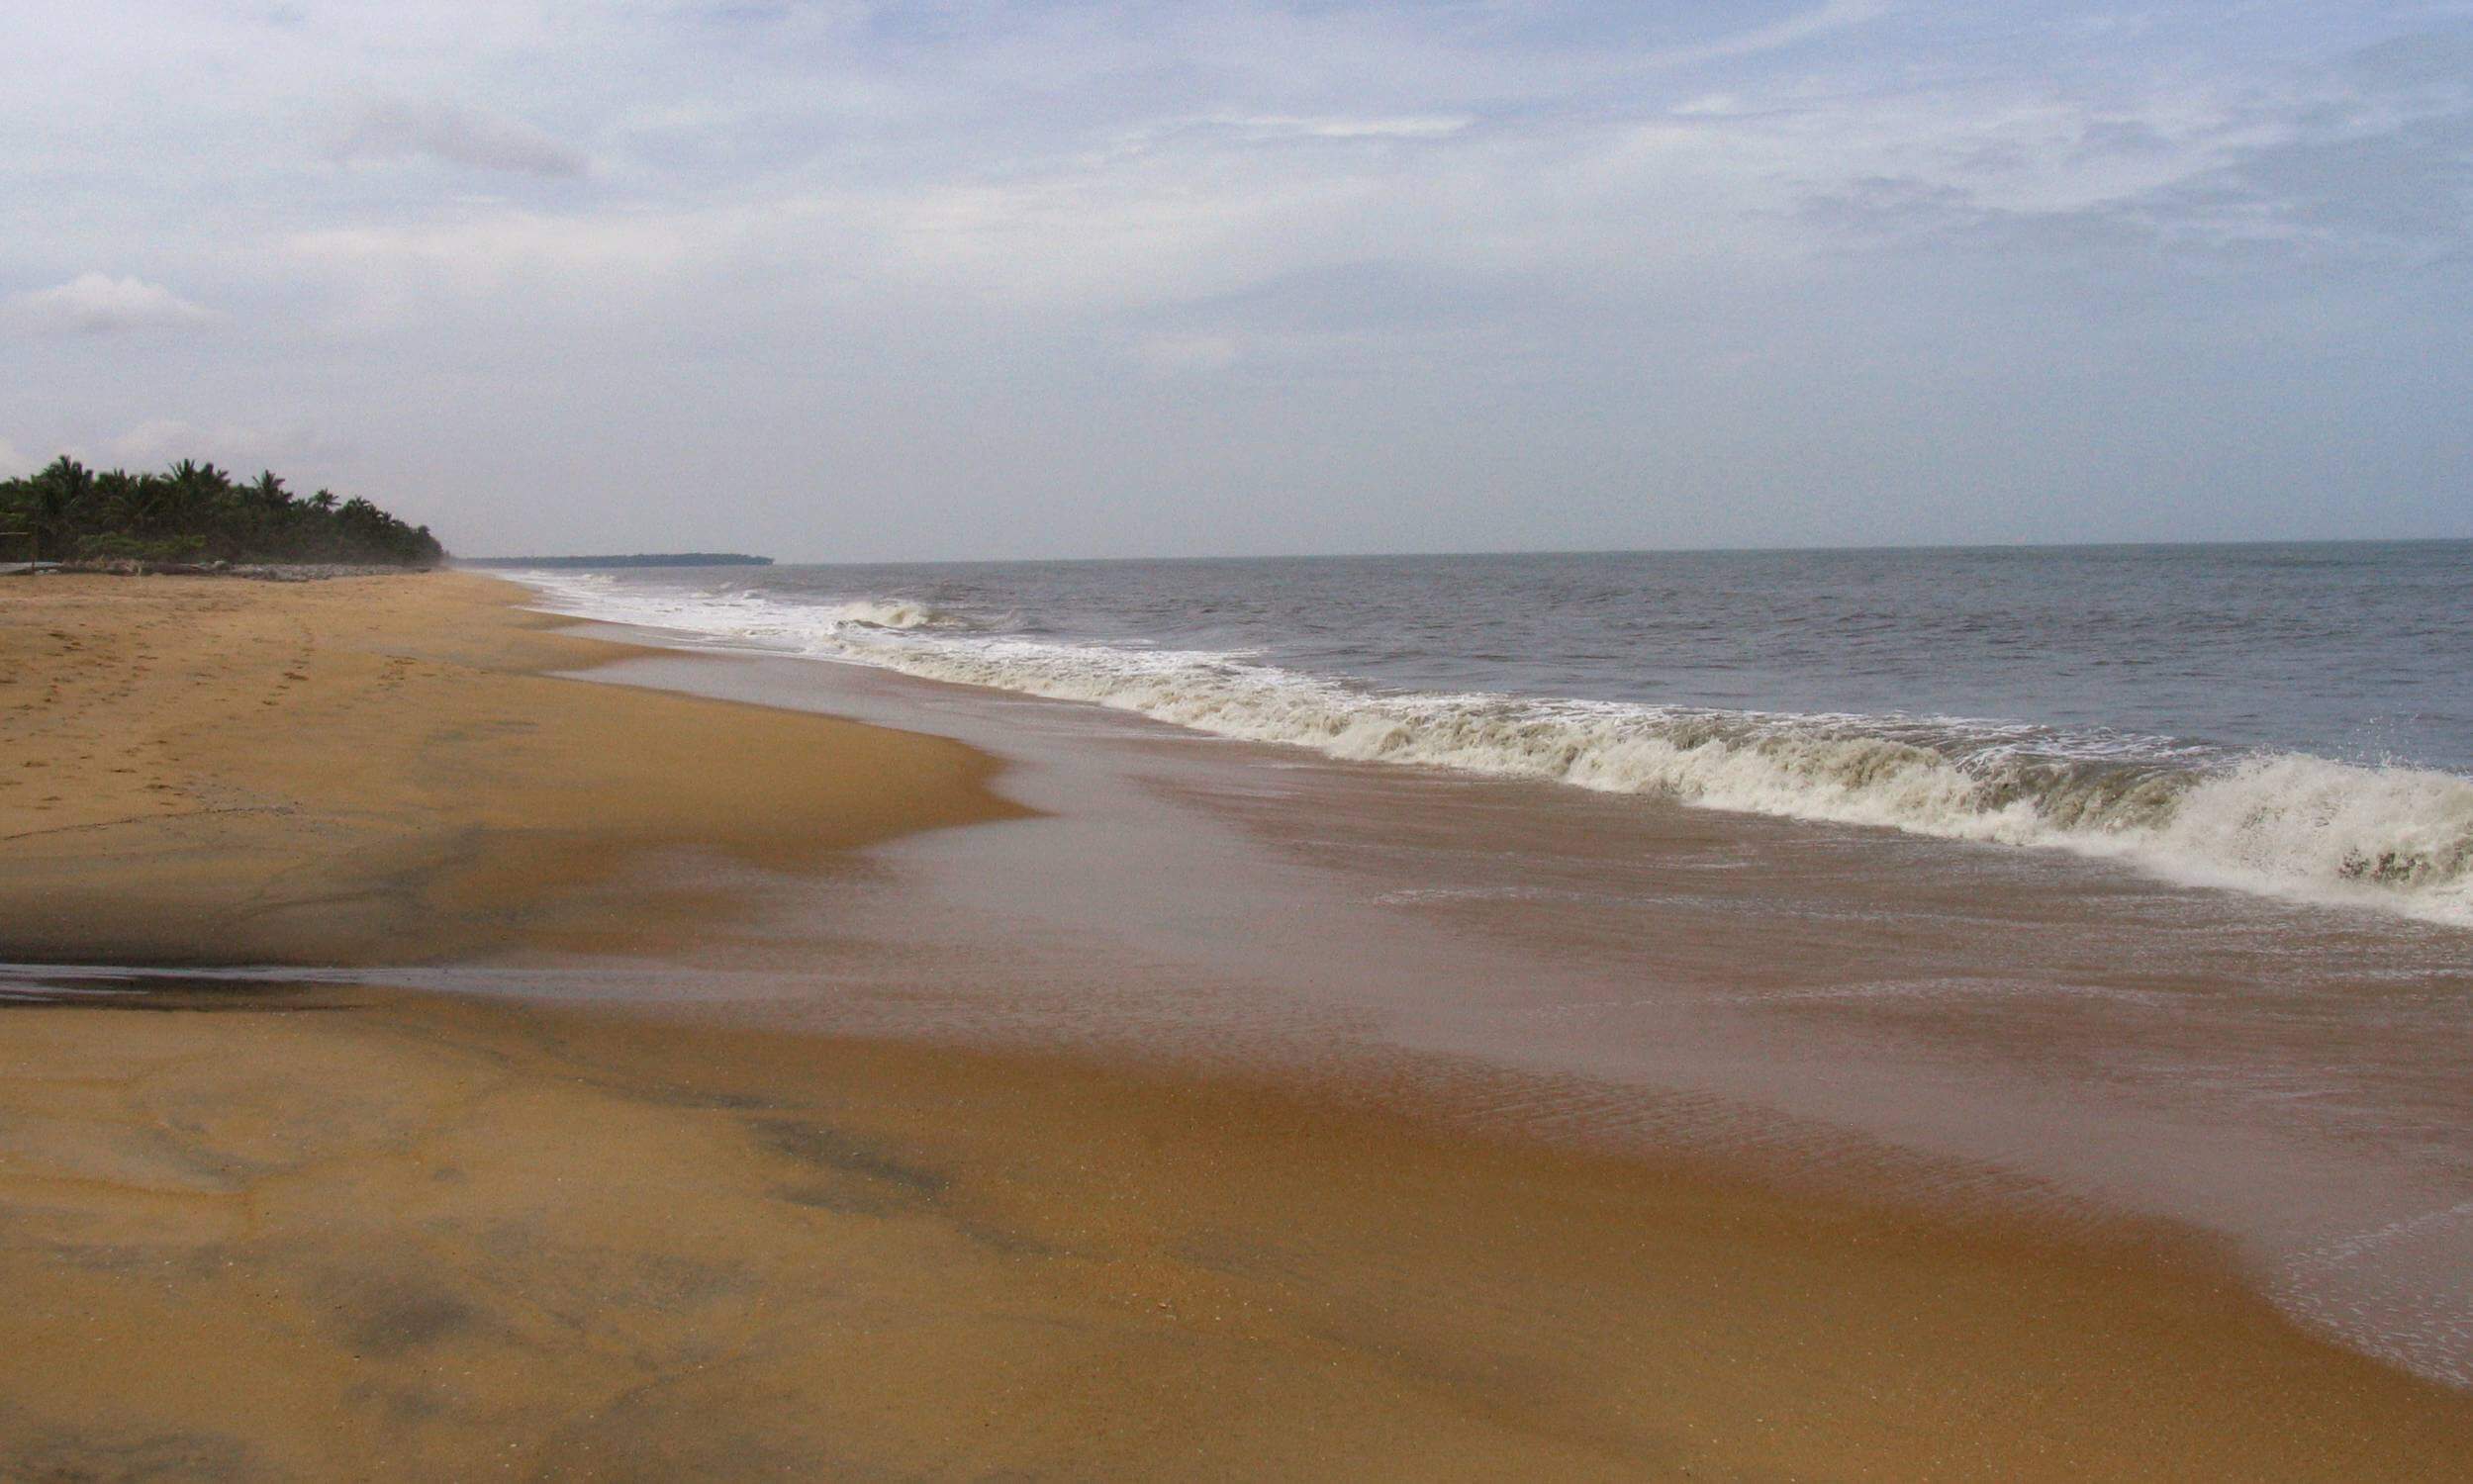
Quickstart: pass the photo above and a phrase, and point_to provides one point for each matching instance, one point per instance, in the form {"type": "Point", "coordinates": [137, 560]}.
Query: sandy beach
{"type": "Point", "coordinates": [283, 1229]}
{"type": "Point", "coordinates": [388, 769]}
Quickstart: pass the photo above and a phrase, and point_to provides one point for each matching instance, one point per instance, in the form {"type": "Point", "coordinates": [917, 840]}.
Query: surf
{"type": "Point", "coordinates": [2390, 837]}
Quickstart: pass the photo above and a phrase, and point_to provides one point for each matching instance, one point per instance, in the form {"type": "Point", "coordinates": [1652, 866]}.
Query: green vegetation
{"type": "Point", "coordinates": [197, 513]}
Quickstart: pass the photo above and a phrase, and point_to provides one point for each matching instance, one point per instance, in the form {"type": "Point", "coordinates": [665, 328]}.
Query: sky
{"type": "Point", "coordinates": [838, 280]}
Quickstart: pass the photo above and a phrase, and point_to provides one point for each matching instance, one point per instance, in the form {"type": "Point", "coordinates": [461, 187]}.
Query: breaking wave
{"type": "Point", "coordinates": [2393, 837]}
{"type": "Point", "coordinates": [895, 616]}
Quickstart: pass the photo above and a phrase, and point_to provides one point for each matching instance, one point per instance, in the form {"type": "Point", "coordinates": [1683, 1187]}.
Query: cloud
{"type": "Point", "coordinates": [396, 129]}
{"type": "Point", "coordinates": [2308, 180]}
{"type": "Point", "coordinates": [2411, 184]}
{"type": "Point", "coordinates": [99, 303]}
{"type": "Point", "coordinates": [585, 242]}
{"type": "Point", "coordinates": [11, 462]}
{"type": "Point", "coordinates": [2423, 59]}
{"type": "Point", "coordinates": [1342, 127]}
{"type": "Point", "coordinates": [163, 440]}
{"type": "Point", "coordinates": [494, 248]}
{"type": "Point", "coordinates": [1821, 20]}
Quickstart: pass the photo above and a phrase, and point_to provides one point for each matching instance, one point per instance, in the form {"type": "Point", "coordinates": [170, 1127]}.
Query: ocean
{"type": "Point", "coordinates": [2294, 720]}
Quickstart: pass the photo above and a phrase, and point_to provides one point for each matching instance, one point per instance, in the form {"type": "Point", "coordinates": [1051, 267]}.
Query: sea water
{"type": "Point", "coordinates": [2294, 720]}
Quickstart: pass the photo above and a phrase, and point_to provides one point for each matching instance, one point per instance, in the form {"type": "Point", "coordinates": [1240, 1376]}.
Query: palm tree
{"type": "Point", "coordinates": [194, 508]}
{"type": "Point", "coordinates": [60, 488]}
{"type": "Point", "coordinates": [186, 495]}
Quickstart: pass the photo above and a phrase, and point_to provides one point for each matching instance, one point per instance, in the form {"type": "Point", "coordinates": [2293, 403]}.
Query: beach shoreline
{"type": "Point", "coordinates": [416, 1227]}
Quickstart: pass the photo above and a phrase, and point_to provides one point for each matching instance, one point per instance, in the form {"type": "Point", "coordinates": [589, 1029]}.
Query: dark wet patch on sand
{"type": "Point", "coordinates": [827, 1148]}
{"type": "Point", "coordinates": [74, 1456]}
{"type": "Point", "coordinates": [863, 1177]}
{"type": "Point", "coordinates": [384, 1317]}
{"type": "Point", "coordinates": [703, 1099]}
{"type": "Point", "coordinates": [170, 993]}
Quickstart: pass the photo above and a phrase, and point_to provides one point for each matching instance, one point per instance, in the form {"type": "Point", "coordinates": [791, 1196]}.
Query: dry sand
{"type": "Point", "coordinates": [304, 1233]}
{"type": "Point", "coordinates": [384, 770]}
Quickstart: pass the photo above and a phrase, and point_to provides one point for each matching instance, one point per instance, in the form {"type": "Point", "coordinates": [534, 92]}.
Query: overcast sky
{"type": "Point", "coordinates": [840, 279]}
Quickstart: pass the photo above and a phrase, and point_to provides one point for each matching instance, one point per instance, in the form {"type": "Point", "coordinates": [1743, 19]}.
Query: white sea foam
{"type": "Point", "coordinates": [875, 614]}
{"type": "Point", "coordinates": [2395, 837]}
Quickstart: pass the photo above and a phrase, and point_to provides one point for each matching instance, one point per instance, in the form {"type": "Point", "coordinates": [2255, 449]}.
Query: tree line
{"type": "Point", "coordinates": [197, 513]}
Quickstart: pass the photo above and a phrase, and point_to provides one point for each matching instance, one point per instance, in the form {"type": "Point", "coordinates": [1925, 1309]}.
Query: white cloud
{"type": "Point", "coordinates": [163, 440]}
{"type": "Point", "coordinates": [1708, 106]}
{"type": "Point", "coordinates": [1342, 127]}
{"type": "Point", "coordinates": [496, 250]}
{"type": "Point", "coordinates": [398, 130]}
{"type": "Point", "coordinates": [1184, 214]}
{"type": "Point", "coordinates": [1821, 20]}
{"type": "Point", "coordinates": [99, 303]}
{"type": "Point", "coordinates": [11, 462]}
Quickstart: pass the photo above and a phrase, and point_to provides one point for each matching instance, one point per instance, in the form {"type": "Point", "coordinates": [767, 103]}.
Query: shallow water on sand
{"type": "Point", "coordinates": [1831, 1002]}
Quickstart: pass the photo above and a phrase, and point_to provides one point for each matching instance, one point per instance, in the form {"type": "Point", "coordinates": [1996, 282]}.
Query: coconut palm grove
{"type": "Point", "coordinates": [196, 512]}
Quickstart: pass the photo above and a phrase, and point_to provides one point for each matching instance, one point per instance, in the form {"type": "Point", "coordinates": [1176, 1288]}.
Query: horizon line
{"type": "Point", "coordinates": [1541, 551]}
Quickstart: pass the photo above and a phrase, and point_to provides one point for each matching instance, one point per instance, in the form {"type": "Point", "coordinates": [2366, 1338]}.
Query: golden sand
{"type": "Point", "coordinates": [302, 1232]}
{"type": "Point", "coordinates": [385, 769]}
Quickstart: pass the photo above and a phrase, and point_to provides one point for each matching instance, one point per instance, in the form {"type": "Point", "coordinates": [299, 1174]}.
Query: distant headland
{"type": "Point", "coordinates": [637, 559]}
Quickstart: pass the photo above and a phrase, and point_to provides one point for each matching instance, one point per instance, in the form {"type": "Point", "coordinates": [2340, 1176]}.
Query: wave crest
{"type": "Point", "coordinates": [892, 615]}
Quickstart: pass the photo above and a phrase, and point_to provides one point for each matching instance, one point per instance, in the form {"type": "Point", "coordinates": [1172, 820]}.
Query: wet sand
{"type": "Point", "coordinates": [313, 1232]}
{"type": "Point", "coordinates": [1829, 1005]}
{"type": "Point", "coordinates": [398, 1237]}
